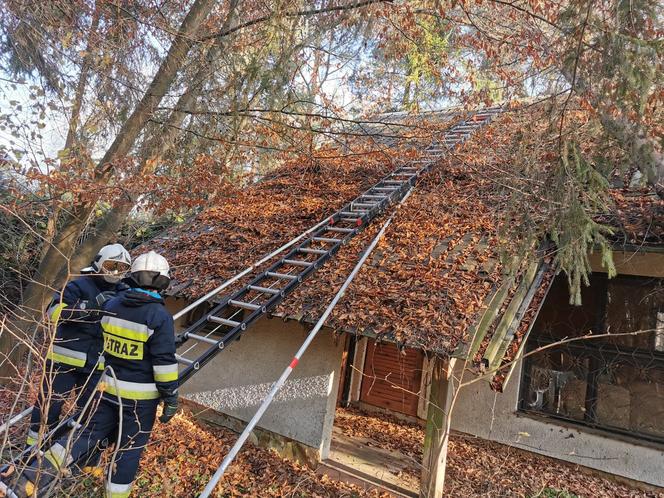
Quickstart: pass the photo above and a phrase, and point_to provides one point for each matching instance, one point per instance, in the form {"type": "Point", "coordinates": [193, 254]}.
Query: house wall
{"type": "Point", "coordinates": [235, 382]}
{"type": "Point", "coordinates": [490, 415]}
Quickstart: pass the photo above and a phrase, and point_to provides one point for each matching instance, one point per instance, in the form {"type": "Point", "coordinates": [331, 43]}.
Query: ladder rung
{"type": "Point", "coordinates": [183, 360]}
{"type": "Point", "coordinates": [340, 229]}
{"type": "Point", "coordinates": [385, 189]}
{"type": "Point", "coordinates": [370, 196]}
{"type": "Point", "coordinates": [331, 240]}
{"type": "Point", "coordinates": [351, 220]}
{"type": "Point", "coordinates": [308, 250]}
{"type": "Point", "coordinates": [393, 182]}
{"type": "Point", "coordinates": [223, 321]}
{"type": "Point", "coordinates": [274, 274]}
{"type": "Point", "coordinates": [245, 305]}
{"type": "Point", "coordinates": [297, 262]}
{"type": "Point", "coordinates": [200, 338]}
{"type": "Point", "coordinates": [265, 290]}
{"type": "Point", "coordinates": [364, 205]}
{"type": "Point", "coordinates": [349, 213]}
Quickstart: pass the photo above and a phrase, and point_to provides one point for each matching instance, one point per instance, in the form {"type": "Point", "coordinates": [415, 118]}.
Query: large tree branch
{"type": "Point", "coordinates": [56, 263]}
{"type": "Point", "coordinates": [644, 153]}
{"type": "Point", "coordinates": [156, 147]}
{"type": "Point", "coordinates": [296, 13]}
{"type": "Point", "coordinates": [160, 84]}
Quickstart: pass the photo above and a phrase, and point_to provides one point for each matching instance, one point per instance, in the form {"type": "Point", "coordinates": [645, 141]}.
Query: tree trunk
{"type": "Point", "coordinates": [107, 228]}
{"type": "Point", "coordinates": [72, 128]}
{"type": "Point", "coordinates": [56, 260]}
{"type": "Point", "coordinates": [81, 85]}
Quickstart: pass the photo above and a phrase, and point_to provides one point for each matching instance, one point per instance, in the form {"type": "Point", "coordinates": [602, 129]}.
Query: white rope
{"type": "Point", "coordinates": [280, 382]}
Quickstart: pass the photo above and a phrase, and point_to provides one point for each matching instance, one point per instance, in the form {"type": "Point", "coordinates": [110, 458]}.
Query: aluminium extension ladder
{"type": "Point", "coordinates": [234, 313]}
{"type": "Point", "coordinates": [228, 319]}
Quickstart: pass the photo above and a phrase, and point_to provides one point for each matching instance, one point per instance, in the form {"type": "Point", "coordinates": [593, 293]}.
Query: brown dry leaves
{"type": "Point", "coordinates": [481, 468]}
{"type": "Point", "coordinates": [426, 280]}
{"type": "Point", "coordinates": [182, 456]}
{"type": "Point", "coordinates": [243, 227]}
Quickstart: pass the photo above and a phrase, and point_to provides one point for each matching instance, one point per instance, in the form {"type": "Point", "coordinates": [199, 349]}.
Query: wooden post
{"type": "Point", "coordinates": [437, 431]}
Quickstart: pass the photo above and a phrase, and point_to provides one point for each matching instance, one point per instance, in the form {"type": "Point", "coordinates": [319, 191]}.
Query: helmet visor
{"type": "Point", "coordinates": [110, 267]}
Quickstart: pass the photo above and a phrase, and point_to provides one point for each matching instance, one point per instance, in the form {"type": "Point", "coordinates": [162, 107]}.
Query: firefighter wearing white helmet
{"type": "Point", "coordinates": [111, 262]}
{"type": "Point", "coordinates": [139, 344]}
{"type": "Point", "coordinates": [74, 361]}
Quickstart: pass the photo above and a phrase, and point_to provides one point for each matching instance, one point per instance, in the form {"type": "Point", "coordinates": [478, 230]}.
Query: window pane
{"type": "Point", "coordinates": [633, 304]}
{"type": "Point", "coordinates": [631, 397]}
{"type": "Point", "coordinates": [613, 383]}
{"type": "Point", "coordinates": [559, 319]}
{"type": "Point", "coordinates": [557, 384]}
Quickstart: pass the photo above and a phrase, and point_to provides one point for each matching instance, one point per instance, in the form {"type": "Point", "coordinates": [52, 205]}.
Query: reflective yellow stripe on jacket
{"type": "Point", "coordinates": [165, 373]}
{"type": "Point", "coordinates": [101, 362]}
{"type": "Point", "coordinates": [126, 329]}
{"type": "Point", "coordinates": [117, 490]}
{"type": "Point", "coordinates": [32, 437]}
{"type": "Point", "coordinates": [55, 311]}
{"type": "Point", "coordinates": [124, 338]}
{"type": "Point", "coordinates": [129, 390]}
{"type": "Point", "coordinates": [67, 356]}
{"type": "Point", "coordinates": [58, 456]}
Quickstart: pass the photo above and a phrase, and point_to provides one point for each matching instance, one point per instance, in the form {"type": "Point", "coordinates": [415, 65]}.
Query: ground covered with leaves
{"type": "Point", "coordinates": [480, 468]}
{"type": "Point", "coordinates": [183, 455]}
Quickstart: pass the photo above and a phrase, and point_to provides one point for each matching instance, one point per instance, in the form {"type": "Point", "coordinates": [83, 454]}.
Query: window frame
{"type": "Point", "coordinates": [599, 353]}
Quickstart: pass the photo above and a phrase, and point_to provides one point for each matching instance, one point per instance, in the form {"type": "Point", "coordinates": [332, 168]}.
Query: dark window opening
{"type": "Point", "coordinates": [615, 383]}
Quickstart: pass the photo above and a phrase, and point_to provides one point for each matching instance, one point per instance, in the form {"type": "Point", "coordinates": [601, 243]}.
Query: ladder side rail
{"type": "Point", "coordinates": [234, 333]}
{"type": "Point", "coordinates": [363, 218]}
{"type": "Point", "coordinates": [270, 304]}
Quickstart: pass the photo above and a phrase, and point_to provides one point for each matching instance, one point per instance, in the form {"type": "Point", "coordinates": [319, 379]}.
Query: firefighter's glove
{"type": "Point", "coordinates": [170, 408]}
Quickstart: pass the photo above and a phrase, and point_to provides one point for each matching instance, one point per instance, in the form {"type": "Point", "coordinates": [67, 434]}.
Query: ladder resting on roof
{"type": "Point", "coordinates": [228, 319]}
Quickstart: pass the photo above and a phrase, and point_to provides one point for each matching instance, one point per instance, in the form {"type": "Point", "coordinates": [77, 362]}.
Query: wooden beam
{"type": "Point", "coordinates": [643, 263]}
{"type": "Point", "coordinates": [437, 430]}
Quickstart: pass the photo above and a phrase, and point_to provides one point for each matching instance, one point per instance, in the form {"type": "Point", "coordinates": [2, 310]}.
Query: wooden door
{"type": "Point", "coordinates": [392, 378]}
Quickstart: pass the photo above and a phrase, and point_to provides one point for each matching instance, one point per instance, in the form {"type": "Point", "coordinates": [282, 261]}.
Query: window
{"type": "Point", "coordinates": [614, 383]}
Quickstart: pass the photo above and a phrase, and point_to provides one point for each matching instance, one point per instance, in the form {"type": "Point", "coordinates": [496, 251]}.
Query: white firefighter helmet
{"type": "Point", "coordinates": [112, 262]}
{"type": "Point", "coordinates": [151, 270]}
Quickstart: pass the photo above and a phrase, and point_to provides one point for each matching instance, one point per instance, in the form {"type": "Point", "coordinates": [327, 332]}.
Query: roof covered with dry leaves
{"type": "Point", "coordinates": [435, 281]}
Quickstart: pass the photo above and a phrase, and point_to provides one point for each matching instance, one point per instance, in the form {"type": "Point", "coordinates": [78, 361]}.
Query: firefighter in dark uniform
{"type": "Point", "coordinates": [139, 345]}
{"type": "Point", "coordinates": [139, 348]}
{"type": "Point", "coordinates": [74, 360]}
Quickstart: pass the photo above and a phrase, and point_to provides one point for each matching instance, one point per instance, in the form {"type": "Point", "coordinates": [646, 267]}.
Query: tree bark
{"type": "Point", "coordinates": [56, 260]}
{"type": "Point", "coordinates": [72, 128]}
{"type": "Point", "coordinates": [82, 83]}
{"type": "Point", "coordinates": [157, 146]}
